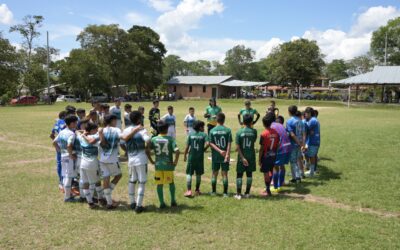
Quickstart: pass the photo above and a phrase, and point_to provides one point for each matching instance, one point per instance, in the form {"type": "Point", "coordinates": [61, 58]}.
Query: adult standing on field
{"type": "Point", "coordinates": [154, 117]}
{"type": "Point", "coordinates": [211, 114]}
{"type": "Point", "coordinates": [248, 110]}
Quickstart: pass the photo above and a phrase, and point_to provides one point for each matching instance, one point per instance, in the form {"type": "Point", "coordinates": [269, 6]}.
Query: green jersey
{"type": "Point", "coordinates": [164, 146]}
{"type": "Point", "coordinates": [246, 138]}
{"type": "Point", "coordinates": [251, 112]}
{"type": "Point", "coordinates": [213, 111]}
{"type": "Point", "coordinates": [196, 142]}
{"type": "Point", "coordinates": [220, 136]}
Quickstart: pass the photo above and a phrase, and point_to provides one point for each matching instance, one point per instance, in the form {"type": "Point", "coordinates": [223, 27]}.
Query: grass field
{"type": "Point", "coordinates": [353, 203]}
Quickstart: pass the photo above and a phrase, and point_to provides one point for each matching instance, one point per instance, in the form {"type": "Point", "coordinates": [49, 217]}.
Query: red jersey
{"type": "Point", "coordinates": [269, 139]}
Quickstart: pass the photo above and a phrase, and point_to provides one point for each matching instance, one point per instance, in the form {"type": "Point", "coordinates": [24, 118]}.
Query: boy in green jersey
{"type": "Point", "coordinates": [245, 140]}
{"type": "Point", "coordinates": [164, 146]}
{"type": "Point", "coordinates": [196, 145]}
{"type": "Point", "coordinates": [220, 142]}
{"type": "Point", "coordinates": [250, 111]}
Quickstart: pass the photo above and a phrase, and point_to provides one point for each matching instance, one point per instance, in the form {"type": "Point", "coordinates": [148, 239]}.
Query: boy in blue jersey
{"type": "Point", "coordinates": [64, 143]}
{"type": "Point", "coordinates": [189, 121]}
{"type": "Point", "coordinates": [170, 119]}
{"type": "Point", "coordinates": [58, 126]}
{"type": "Point", "coordinates": [313, 138]}
{"type": "Point", "coordinates": [136, 139]}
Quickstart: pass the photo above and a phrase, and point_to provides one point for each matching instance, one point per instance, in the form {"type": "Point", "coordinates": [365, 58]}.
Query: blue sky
{"type": "Point", "coordinates": [205, 29]}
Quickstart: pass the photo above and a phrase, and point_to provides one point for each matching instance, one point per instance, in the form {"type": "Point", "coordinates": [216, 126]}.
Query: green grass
{"type": "Point", "coordinates": [359, 168]}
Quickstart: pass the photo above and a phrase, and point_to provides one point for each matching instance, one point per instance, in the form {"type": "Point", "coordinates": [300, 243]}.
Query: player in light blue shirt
{"type": "Point", "coordinates": [313, 138]}
{"type": "Point", "coordinates": [189, 121]}
{"type": "Point", "coordinates": [170, 119]}
{"type": "Point", "coordinates": [57, 127]}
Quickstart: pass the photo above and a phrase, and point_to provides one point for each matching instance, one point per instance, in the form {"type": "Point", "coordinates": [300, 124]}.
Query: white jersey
{"type": "Point", "coordinates": [90, 152]}
{"type": "Point", "coordinates": [189, 120]}
{"type": "Point", "coordinates": [65, 138]}
{"type": "Point", "coordinates": [109, 152]}
{"type": "Point", "coordinates": [171, 121]}
{"type": "Point", "coordinates": [114, 110]}
{"type": "Point", "coordinates": [136, 146]}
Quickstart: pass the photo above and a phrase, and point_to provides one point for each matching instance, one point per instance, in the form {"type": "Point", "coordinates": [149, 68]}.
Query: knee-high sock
{"type": "Point", "coordinates": [140, 197]}
{"type": "Point", "coordinates": [88, 195]}
{"type": "Point", "coordinates": [131, 191]}
{"type": "Point", "coordinates": [239, 185]}
{"type": "Point", "coordinates": [295, 170]}
{"type": "Point", "coordinates": [160, 193]}
{"type": "Point", "coordinates": [275, 177]}
{"type": "Point", "coordinates": [189, 182]}
{"type": "Point", "coordinates": [172, 191]}
{"type": "Point", "coordinates": [267, 183]}
{"type": "Point", "coordinates": [198, 182]}
{"type": "Point", "coordinates": [99, 191]}
{"type": "Point", "coordinates": [214, 184]}
{"type": "Point", "coordinates": [282, 173]}
{"type": "Point", "coordinates": [312, 169]}
{"type": "Point", "coordinates": [81, 193]}
{"type": "Point", "coordinates": [249, 182]}
{"type": "Point", "coordinates": [107, 194]}
{"type": "Point", "coordinates": [112, 186]}
{"type": "Point", "coordinates": [67, 187]}
{"type": "Point", "coordinates": [225, 182]}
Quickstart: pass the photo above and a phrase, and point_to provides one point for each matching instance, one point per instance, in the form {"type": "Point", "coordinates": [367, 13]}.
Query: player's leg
{"type": "Point", "coordinates": [224, 174]}
{"type": "Point", "coordinates": [267, 164]}
{"type": "Point", "coordinates": [275, 178]}
{"type": "Point", "coordinates": [68, 174]}
{"type": "Point", "coordinates": [169, 179]}
{"type": "Point", "coordinates": [301, 165]}
{"type": "Point", "coordinates": [239, 181]}
{"type": "Point", "coordinates": [282, 173]}
{"type": "Point", "coordinates": [117, 173]}
{"type": "Point", "coordinates": [199, 172]}
{"type": "Point", "coordinates": [198, 183]}
{"type": "Point", "coordinates": [59, 171]}
{"type": "Point", "coordinates": [133, 178]}
{"type": "Point", "coordinates": [294, 165]}
{"type": "Point", "coordinates": [189, 173]}
{"type": "Point", "coordinates": [249, 182]}
{"type": "Point", "coordinates": [142, 178]}
{"type": "Point", "coordinates": [215, 170]}
{"type": "Point", "coordinates": [86, 190]}
{"type": "Point", "coordinates": [159, 179]}
{"type": "Point", "coordinates": [106, 173]}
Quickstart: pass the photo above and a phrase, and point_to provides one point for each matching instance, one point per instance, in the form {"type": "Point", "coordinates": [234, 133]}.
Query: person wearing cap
{"type": "Point", "coordinates": [248, 110]}
{"type": "Point", "coordinates": [211, 114]}
{"type": "Point", "coordinates": [154, 117]}
{"type": "Point", "coordinates": [116, 110]}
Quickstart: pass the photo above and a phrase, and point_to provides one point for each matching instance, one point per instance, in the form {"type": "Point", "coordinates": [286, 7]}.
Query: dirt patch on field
{"type": "Point", "coordinates": [25, 144]}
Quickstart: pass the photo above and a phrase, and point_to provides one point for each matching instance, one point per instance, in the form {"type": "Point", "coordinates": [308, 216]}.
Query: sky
{"type": "Point", "coordinates": [206, 29]}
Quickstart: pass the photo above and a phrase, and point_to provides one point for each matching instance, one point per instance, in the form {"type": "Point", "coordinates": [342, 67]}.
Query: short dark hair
{"type": "Point", "coordinates": [316, 113]}
{"type": "Point", "coordinates": [292, 109]}
{"type": "Point", "coordinates": [170, 107]}
{"type": "Point", "coordinates": [191, 108]}
{"type": "Point", "coordinates": [128, 106]}
{"type": "Point", "coordinates": [70, 119]}
{"type": "Point", "coordinates": [140, 107]}
{"type": "Point", "coordinates": [280, 120]}
{"type": "Point", "coordinates": [109, 118]}
{"type": "Point", "coordinates": [155, 101]}
{"type": "Point", "coordinates": [247, 119]}
{"type": "Point", "coordinates": [162, 127]}
{"type": "Point", "coordinates": [310, 111]}
{"type": "Point", "coordinates": [298, 113]}
{"type": "Point", "coordinates": [135, 117]}
{"type": "Point", "coordinates": [247, 102]}
{"type": "Point", "coordinates": [62, 114]}
{"type": "Point", "coordinates": [105, 106]}
{"type": "Point", "coordinates": [268, 119]}
{"type": "Point", "coordinates": [273, 102]}
{"type": "Point", "coordinates": [92, 112]}
{"type": "Point", "coordinates": [84, 121]}
{"type": "Point", "coordinates": [197, 125]}
{"type": "Point", "coordinates": [70, 108]}
{"type": "Point", "coordinates": [221, 118]}
{"type": "Point", "coordinates": [90, 126]}
{"type": "Point", "coordinates": [80, 111]}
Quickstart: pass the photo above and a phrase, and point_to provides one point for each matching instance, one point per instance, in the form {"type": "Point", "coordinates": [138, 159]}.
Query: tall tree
{"type": "Point", "coordinates": [337, 69]}
{"type": "Point", "coordinates": [9, 72]}
{"type": "Point", "coordinates": [360, 64]}
{"type": "Point", "coordinates": [173, 65]}
{"type": "Point", "coordinates": [238, 60]}
{"type": "Point", "coordinates": [387, 36]}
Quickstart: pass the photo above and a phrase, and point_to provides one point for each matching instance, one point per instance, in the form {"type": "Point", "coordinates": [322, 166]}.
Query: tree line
{"type": "Point", "coordinates": [110, 56]}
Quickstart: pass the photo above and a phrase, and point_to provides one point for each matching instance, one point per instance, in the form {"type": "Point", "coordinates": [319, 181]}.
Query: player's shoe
{"type": "Point", "coordinates": [275, 190]}
{"type": "Point", "coordinates": [188, 193]}
{"type": "Point", "coordinates": [225, 196]}
{"type": "Point", "coordinates": [162, 206]}
{"type": "Point", "coordinates": [133, 206]}
{"type": "Point", "coordinates": [102, 202]}
{"type": "Point", "coordinates": [92, 205]}
{"type": "Point", "coordinates": [265, 193]}
{"type": "Point", "coordinates": [298, 180]}
{"type": "Point", "coordinates": [238, 196]}
{"type": "Point", "coordinates": [197, 193]}
{"type": "Point", "coordinates": [213, 194]}
{"type": "Point", "coordinates": [71, 199]}
{"type": "Point", "coordinates": [174, 204]}
{"type": "Point", "coordinates": [139, 209]}
{"type": "Point", "coordinates": [75, 191]}
{"type": "Point", "coordinates": [82, 199]}
{"type": "Point", "coordinates": [246, 196]}
{"type": "Point", "coordinates": [112, 206]}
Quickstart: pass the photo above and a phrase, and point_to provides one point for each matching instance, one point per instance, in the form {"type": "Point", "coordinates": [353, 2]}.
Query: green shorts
{"type": "Point", "coordinates": [195, 167]}
{"type": "Point", "coordinates": [223, 166]}
{"type": "Point", "coordinates": [241, 169]}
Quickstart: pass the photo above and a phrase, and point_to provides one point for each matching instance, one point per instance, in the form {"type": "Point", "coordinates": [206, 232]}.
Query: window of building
{"type": "Point", "coordinates": [190, 89]}
{"type": "Point", "coordinates": [174, 88]}
{"type": "Point", "coordinates": [204, 89]}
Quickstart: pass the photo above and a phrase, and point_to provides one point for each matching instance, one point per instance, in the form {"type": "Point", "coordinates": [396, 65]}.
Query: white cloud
{"type": "Point", "coordinates": [136, 18]}
{"type": "Point", "coordinates": [6, 16]}
{"type": "Point", "coordinates": [161, 5]}
{"type": "Point", "coordinates": [60, 56]}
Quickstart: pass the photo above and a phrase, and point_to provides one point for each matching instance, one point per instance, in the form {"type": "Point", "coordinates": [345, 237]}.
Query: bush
{"type": "Point", "coordinates": [6, 98]}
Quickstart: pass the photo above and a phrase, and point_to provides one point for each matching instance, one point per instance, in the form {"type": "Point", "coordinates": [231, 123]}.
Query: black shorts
{"type": "Point", "coordinates": [209, 127]}
{"type": "Point", "coordinates": [267, 164]}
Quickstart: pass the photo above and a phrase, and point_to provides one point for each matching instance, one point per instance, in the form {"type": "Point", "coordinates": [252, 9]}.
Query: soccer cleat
{"type": "Point", "coordinates": [139, 209]}
{"type": "Point", "coordinates": [293, 181]}
{"type": "Point", "coordinates": [112, 206]}
{"type": "Point", "coordinates": [225, 196]}
{"type": "Point", "coordinates": [71, 199]}
{"type": "Point", "coordinates": [92, 205]}
{"type": "Point", "coordinates": [102, 202]}
{"type": "Point", "coordinates": [82, 199]}
{"type": "Point", "coordinates": [238, 196]}
{"type": "Point", "coordinates": [188, 193]}
{"type": "Point", "coordinates": [133, 206]}
{"type": "Point", "coordinates": [246, 196]}
{"type": "Point", "coordinates": [213, 193]}
{"type": "Point", "coordinates": [162, 206]}
{"type": "Point", "coordinates": [275, 190]}
{"type": "Point", "coordinates": [174, 204]}
{"type": "Point", "coordinates": [197, 193]}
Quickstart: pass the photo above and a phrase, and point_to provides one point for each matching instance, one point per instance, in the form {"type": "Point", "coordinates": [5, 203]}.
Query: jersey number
{"type": "Point", "coordinates": [221, 143]}
{"type": "Point", "coordinates": [196, 145]}
{"type": "Point", "coordinates": [246, 142]}
{"type": "Point", "coordinates": [162, 148]}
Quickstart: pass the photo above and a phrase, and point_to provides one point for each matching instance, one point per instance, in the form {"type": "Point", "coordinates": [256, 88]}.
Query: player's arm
{"type": "Point", "coordinates": [216, 148]}
{"type": "Point", "coordinates": [258, 117]}
{"type": "Point", "coordinates": [244, 160]}
{"type": "Point", "coordinates": [186, 149]}
{"type": "Point", "coordinates": [127, 137]}
{"type": "Point", "coordinates": [228, 152]}
{"type": "Point", "coordinates": [206, 114]}
{"type": "Point", "coordinates": [148, 153]}
{"type": "Point", "coordinates": [240, 122]}
{"type": "Point", "coordinates": [206, 146]}
{"type": "Point", "coordinates": [177, 153]}
{"type": "Point", "coordinates": [55, 144]}
{"type": "Point", "coordinates": [293, 136]}
{"type": "Point", "coordinates": [103, 141]}
{"type": "Point", "coordinates": [260, 155]}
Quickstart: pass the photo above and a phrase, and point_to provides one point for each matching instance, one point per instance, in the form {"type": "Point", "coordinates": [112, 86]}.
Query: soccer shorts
{"type": "Point", "coordinates": [163, 177]}
{"type": "Point", "coordinates": [137, 173]}
{"type": "Point", "coordinates": [295, 154]}
{"type": "Point", "coordinates": [110, 169]}
{"type": "Point", "coordinates": [90, 175]}
{"type": "Point", "coordinates": [172, 132]}
{"type": "Point", "coordinates": [240, 168]}
{"type": "Point", "coordinates": [68, 168]}
{"type": "Point", "coordinates": [268, 163]}
{"type": "Point", "coordinates": [312, 151]}
{"type": "Point", "coordinates": [193, 167]}
{"type": "Point", "coordinates": [282, 159]}
{"type": "Point", "coordinates": [223, 166]}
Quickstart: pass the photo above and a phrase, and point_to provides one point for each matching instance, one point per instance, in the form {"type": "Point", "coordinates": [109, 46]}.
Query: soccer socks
{"type": "Point", "coordinates": [81, 192]}
{"type": "Point", "coordinates": [282, 173]}
{"type": "Point", "coordinates": [248, 184]}
{"type": "Point", "coordinates": [214, 184]}
{"type": "Point", "coordinates": [172, 192]}
{"type": "Point", "coordinates": [88, 195]}
{"type": "Point", "coordinates": [140, 197]}
{"type": "Point", "coordinates": [312, 169]}
{"type": "Point", "coordinates": [107, 194]}
{"type": "Point", "coordinates": [225, 183]}
{"type": "Point", "coordinates": [131, 191]}
{"type": "Point", "coordinates": [67, 187]}
{"type": "Point", "coordinates": [112, 186]}
{"type": "Point", "coordinates": [239, 185]}
{"type": "Point", "coordinates": [160, 193]}
{"type": "Point", "coordinates": [189, 182]}
{"type": "Point", "coordinates": [198, 182]}
{"type": "Point", "coordinates": [275, 177]}
{"type": "Point", "coordinates": [99, 191]}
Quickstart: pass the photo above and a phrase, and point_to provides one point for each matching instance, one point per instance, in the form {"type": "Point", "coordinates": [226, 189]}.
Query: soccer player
{"type": "Point", "coordinates": [248, 110]}
{"type": "Point", "coordinates": [78, 149]}
{"type": "Point", "coordinates": [109, 164]}
{"type": "Point", "coordinates": [81, 115]}
{"type": "Point", "coordinates": [90, 141]}
{"type": "Point", "coordinates": [220, 138]}
{"type": "Point", "coordinates": [58, 126]}
{"type": "Point", "coordinates": [302, 134]}
{"type": "Point", "coordinates": [170, 119]}
{"type": "Point", "coordinates": [273, 109]}
{"type": "Point", "coordinates": [269, 144]}
{"type": "Point", "coordinates": [94, 117]}
{"type": "Point", "coordinates": [141, 110]}
{"type": "Point", "coordinates": [64, 144]}
{"type": "Point", "coordinates": [189, 121]}
{"type": "Point", "coordinates": [283, 154]}
{"type": "Point", "coordinates": [296, 131]}
{"type": "Point", "coordinates": [164, 146]}
{"type": "Point", "coordinates": [154, 117]}
{"type": "Point", "coordinates": [211, 114]}
{"type": "Point", "coordinates": [136, 138]}
{"type": "Point", "coordinates": [127, 111]}
{"type": "Point", "coordinates": [246, 163]}
{"type": "Point", "coordinates": [116, 110]}
{"type": "Point", "coordinates": [313, 139]}
{"type": "Point", "coordinates": [105, 110]}
{"type": "Point", "coordinates": [196, 145]}
{"type": "Point", "coordinates": [71, 110]}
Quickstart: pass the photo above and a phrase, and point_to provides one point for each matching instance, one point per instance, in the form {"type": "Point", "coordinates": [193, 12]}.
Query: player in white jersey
{"type": "Point", "coordinates": [136, 139]}
{"type": "Point", "coordinates": [90, 141]}
{"type": "Point", "coordinates": [189, 121]}
{"type": "Point", "coordinates": [170, 119]}
{"type": "Point", "coordinates": [116, 110]}
{"type": "Point", "coordinates": [64, 143]}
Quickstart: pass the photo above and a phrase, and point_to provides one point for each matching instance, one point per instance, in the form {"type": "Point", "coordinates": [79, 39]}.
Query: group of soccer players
{"type": "Point", "coordinates": [88, 150]}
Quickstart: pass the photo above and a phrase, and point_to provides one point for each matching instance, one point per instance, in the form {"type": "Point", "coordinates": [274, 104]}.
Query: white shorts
{"type": "Point", "coordinates": [137, 173]}
{"type": "Point", "coordinates": [90, 175]}
{"type": "Point", "coordinates": [68, 169]}
{"type": "Point", "coordinates": [110, 169]}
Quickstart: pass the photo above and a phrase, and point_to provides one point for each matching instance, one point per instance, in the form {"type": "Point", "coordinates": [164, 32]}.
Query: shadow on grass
{"type": "Point", "coordinates": [125, 207]}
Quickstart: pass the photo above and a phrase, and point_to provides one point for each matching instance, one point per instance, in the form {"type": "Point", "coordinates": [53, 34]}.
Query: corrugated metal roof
{"type": "Point", "coordinates": [207, 80]}
{"type": "Point", "coordinates": [238, 83]}
{"type": "Point", "coordinates": [380, 75]}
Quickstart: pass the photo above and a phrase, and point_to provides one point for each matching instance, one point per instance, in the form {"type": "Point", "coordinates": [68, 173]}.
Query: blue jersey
{"type": "Point", "coordinates": [116, 111]}
{"type": "Point", "coordinates": [64, 139]}
{"type": "Point", "coordinates": [169, 119]}
{"type": "Point", "coordinates": [90, 152]}
{"type": "Point", "coordinates": [313, 135]}
{"type": "Point", "coordinates": [58, 126]}
{"type": "Point", "coordinates": [296, 126]}
{"type": "Point", "coordinates": [136, 146]}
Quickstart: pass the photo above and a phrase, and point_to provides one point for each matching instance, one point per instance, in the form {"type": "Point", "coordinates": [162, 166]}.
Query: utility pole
{"type": "Point", "coordinates": [48, 62]}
